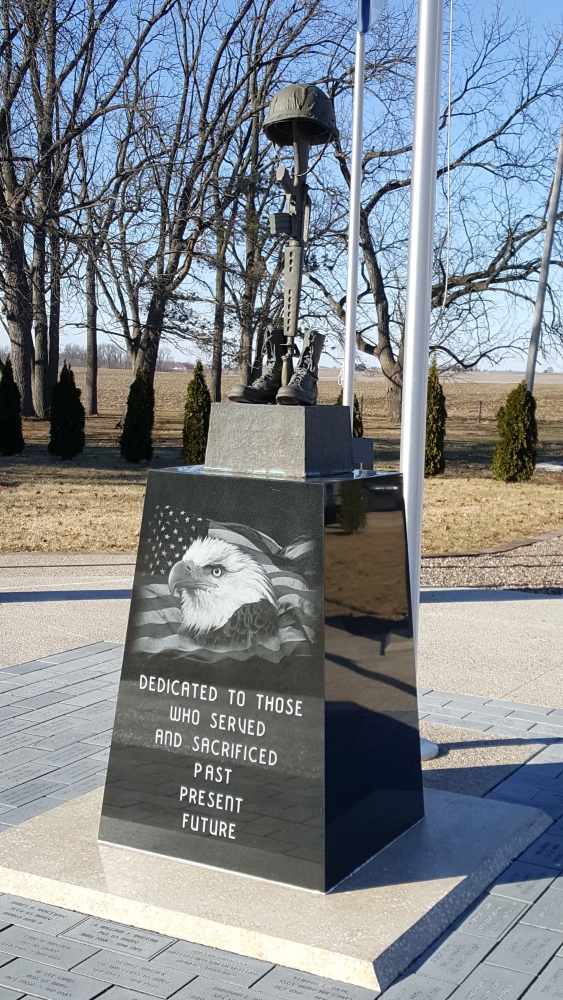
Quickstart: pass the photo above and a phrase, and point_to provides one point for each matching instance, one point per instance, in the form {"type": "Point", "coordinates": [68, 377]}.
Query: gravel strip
{"type": "Point", "coordinates": [539, 565]}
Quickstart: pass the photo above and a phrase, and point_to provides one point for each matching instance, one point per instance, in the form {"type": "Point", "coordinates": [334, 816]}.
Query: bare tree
{"type": "Point", "coordinates": [503, 121]}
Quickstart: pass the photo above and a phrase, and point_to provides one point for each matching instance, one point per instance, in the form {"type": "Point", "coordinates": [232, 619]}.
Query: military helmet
{"type": "Point", "coordinates": [306, 104]}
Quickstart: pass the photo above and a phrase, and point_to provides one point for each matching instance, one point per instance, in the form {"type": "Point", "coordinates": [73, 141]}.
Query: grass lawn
{"type": "Point", "coordinates": [94, 503]}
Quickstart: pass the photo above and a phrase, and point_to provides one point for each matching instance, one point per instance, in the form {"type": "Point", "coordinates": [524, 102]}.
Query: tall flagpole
{"type": "Point", "coordinates": [354, 228]}
{"type": "Point", "coordinates": [544, 268]}
{"type": "Point", "coordinates": [419, 280]}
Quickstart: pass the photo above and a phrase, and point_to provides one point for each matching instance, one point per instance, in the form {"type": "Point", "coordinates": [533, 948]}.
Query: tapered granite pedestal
{"type": "Point", "coordinates": [266, 720]}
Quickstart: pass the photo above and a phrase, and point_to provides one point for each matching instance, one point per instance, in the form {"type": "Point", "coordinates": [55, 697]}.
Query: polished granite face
{"type": "Point", "coordinates": [237, 744]}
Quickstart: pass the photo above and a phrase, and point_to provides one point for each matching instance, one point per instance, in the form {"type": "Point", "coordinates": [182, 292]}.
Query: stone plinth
{"type": "Point", "coordinates": [279, 440]}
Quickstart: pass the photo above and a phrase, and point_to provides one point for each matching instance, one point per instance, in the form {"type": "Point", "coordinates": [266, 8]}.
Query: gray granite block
{"type": "Point", "coordinates": [456, 957]}
{"type": "Point", "coordinates": [547, 912]}
{"type": "Point", "coordinates": [419, 988]}
{"type": "Point", "coordinates": [6, 994]}
{"type": "Point", "coordinates": [76, 771]}
{"type": "Point", "coordinates": [284, 982]}
{"type": "Point", "coordinates": [214, 964]}
{"type": "Point", "coordinates": [47, 982]}
{"type": "Point", "coordinates": [63, 739]}
{"type": "Point", "coordinates": [546, 850]}
{"type": "Point", "coordinates": [549, 986]}
{"type": "Point", "coordinates": [101, 740]}
{"type": "Point", "coordinates": [518, 705]}
{"type": "Point", "coordinates": [550, 802]}
{"type": "Point", "coordinates": [64, 793]}
{"type": "Point", "coordinates": [118, 993]}
{"type": "Point", "coordinates": [524, 882]}
{"type": "Point", "coordinates": [121, 938]}
{"type": "Point", "coordinates": [489, 982]}
{"type": "Point", "coordinates": [525, 949]}
{"type": "Point", "coordinates": [13, 758]}
{"type": "Point", "coordinates": [26, 772]}
{"type": "Point", "coordinates": [11, 711]}
{"type": "Point", "coordinates": [134, 974]}
{"type": "Point", "coordinates": [102, 756]}
{"type": "Point", "coordinates": [44, 948]}
{"type": "Point", "coordinates": [492, 917]}
{"type": "Point", "coordinates": [435, 701]}
{"type": "Point", "coordinates": [20, 815]}
{"type": "Point", "coordinates": [39, 701]}
{"type": "Point", "coordinates": [21, 795]}
{"type": "Point", "coordinates": [443, 720]}
{"type": "Point", "coordinates": [211, 989]}
{"type": "Point", "coordinates": [36, 916]}
{"type": "Point", "coordinates": [69, 754]}
{"type": "Point", "coordinates": [513, 791]}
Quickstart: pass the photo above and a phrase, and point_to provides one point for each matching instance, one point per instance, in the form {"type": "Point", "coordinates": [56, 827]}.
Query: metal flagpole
{"type": "Point", "coordinates": [419, 280]}
{"type": "Point", "coordinates": [354, 227]}
{"type": "Point", "coordinates": [544, 269]}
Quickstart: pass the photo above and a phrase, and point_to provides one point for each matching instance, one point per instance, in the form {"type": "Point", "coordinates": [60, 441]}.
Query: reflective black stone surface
{"type": "Point", "coordinates": [266, 720]}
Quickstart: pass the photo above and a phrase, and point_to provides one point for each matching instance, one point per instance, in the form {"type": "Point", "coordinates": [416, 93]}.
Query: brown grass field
{"type": "Point", "coordinates": [94, 503]}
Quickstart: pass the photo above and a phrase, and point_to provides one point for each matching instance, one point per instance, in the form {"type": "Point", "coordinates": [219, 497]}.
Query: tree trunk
{"type": "Point", "coordinates": [91, 395]}
{"type": "Point", "coordinates": [41, 380]}
{"type": "Point", "coordinates": [54, 310]}
{"type": "Point", "coordinates": [218, 328]}
{"type": "Point", "coordinates": [151, 333]}
{"type": "Point", "coordinates": [17, 310]}
{"type": "Point", "coordinates": [394, 402]}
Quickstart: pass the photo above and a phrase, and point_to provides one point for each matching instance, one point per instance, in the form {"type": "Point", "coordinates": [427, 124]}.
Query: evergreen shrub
{"type": "Point", "coordinates": [11, 436]}
{"type": "Point", "coordinates": [136, 440]}
{"type": "Point", "coordinates": [196, 418]}
{"type": "Point", "coordinates": [514, 459]}
{"type": "Point", "coordinates": [358, 424]}
{"type": "Point", "coordinates": [66, 438]}
{"type": "Point", "coordinates": [436, 414]}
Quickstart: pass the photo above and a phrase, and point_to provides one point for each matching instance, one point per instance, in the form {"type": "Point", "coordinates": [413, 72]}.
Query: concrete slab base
{"type": "Point", "coordinates": [365, 932]}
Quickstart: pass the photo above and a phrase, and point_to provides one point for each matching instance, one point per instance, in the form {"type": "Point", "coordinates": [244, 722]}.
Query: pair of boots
{"type": "Point", "coordinates": [302, 389]}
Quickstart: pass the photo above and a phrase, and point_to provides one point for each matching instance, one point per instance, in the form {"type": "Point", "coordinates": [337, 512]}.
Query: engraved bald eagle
{"type": "Point", "coordinates": [225, 594]}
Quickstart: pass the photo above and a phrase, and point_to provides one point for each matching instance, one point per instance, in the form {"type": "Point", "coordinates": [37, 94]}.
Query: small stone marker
{"type": "Point", "coordinates": [77, 770]}
{"type": "Point", "coordinates": [9, 994]}
{"type": "Point", "coordinates": [525, 949]}
{"type": "Point", "coordinates": [118, 937]}
{"type": "Point", "coordinates": [490, 983]}
{"type": "Point", "coordinates": [224, 965]}
{"type": "Point", "coordinates": [22, 794]}
{"type": "Point", "coordinates": [547, 912]}
{"type": "Point", "coordinates": [492, 917]}
{"type": "Point", "coordinates": [38, 916]}
{"type": "Point", "coordinates": [43, 947]}
{"type": "Point", "coordinates": [283, 982]}
{"type": "Point", "coordinates": [49, 984]}
{"type": "Point", "coordinates": [419, 988]}
{"type": "Point", "coordinates": [549, 986]}
{"type": "Point", "coordinates": [211, 989]}
{"type": "Point", "coordinates": [134, 974]}
{"type": "Point", "coordinates": [546, 850]}
{"type": "Point", "coordinates": [523, 881]}
{"type": "Point", "coordinates": [455, 958]}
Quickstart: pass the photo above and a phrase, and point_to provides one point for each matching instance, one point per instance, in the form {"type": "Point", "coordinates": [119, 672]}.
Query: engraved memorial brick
{"type": "Point", "coordinates": [548, 986]}
{"type": "Point", "coordinates": [43, 948]}
{"type": "Point", "coordinates": [252, 732]}
{"type": "Point", "coordinates": [547, 912]}
{"type": "Point", "coordinates": [134, 973]}
{"type": "Point", "coordinates": [490, 983]}
{"type": "Point", "coordinates": [526, 949]}
{"type": "Point", "coordinates": [419, 988]}
{"type": "Point", "coordinates": [215, 964]}
{"type": "Point", "coordinates": [492, 917]}
{"type": "Point", "coordinates": [48, 983]}
{"type": "Point", "coordinates": [456, 957]}
{"type": "Point", "coordinates": [39, 916]}
{"type": "Point", "coordinates": [283, 982]}
{"type": "Point", "coordinates": [546, 850]}
{"type": "Point", "coordinates": [211, 989]}
{"type": "Point", "coordinates": [118, 937]}
{"type": "Point", "coordinates": [524, 881]}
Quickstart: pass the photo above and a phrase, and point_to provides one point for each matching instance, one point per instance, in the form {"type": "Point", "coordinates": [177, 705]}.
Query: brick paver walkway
{"type": "Point", "coordinates": [56, 716]}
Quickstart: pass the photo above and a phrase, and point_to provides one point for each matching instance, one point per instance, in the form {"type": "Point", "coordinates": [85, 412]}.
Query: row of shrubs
{"type": "Point", "coordinates": [514, 458]}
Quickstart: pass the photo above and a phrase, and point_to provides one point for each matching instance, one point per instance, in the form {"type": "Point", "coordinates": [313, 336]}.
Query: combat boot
{"type": "Point", "coordinates": [303, 386]}
{"type": "Point", "coordinates": [265, 388]}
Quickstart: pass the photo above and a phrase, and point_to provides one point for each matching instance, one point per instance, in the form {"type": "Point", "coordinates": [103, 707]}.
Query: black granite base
{"type": "Point", "coordinates": [266, 720]}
